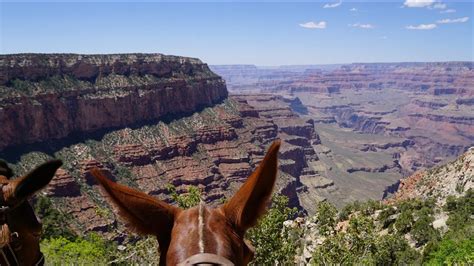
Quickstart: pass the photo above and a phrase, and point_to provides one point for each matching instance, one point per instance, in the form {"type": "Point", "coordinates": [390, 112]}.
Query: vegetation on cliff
{"type": "Point", "coordinates": [34, 74]}
{"type": "Point", "coordinates": [362, 233]}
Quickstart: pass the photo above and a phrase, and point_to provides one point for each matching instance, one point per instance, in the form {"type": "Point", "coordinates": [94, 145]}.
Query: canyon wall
{"type": "Point", "coordinates": [50, 96]}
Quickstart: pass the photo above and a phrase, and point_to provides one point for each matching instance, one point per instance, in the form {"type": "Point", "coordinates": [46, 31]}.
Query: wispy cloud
{"type": "Point", "coordinates": [421, 27]}
{"type": "Point", "coordinates": [314, 25]}
{"type": "Point", "coordinates": [333, 5]}
{"type": "Point", "coordinates": [353, 9]}
{"type": "Point", "coordinates": [430, 4]}
{"type": "Point", "coordinates": [384, 37]}
{"type": "Point", "coordinates": [362, 26]}
{"type": "Point", "coordinates": [439, 6]}
{"type": "Point", "coordinates": [448, 11]}
{"type": "Point", "coordinates": [418, 3]}
{"type": "Point", "coordinates": [455, 20]}
{"type": "Point", "coordinates": [433, 26]}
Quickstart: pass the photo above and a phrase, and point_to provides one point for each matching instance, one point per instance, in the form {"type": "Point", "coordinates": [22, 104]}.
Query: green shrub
{"type": "Point", "coordinates": [457, 245]}
{"type": "Point", "coordinates": [394, 250]}
{"type": "Point", "coordinates": [90, 250]}
{"type": "Point", "coordinates": [334, 250]}
{"type": "Point", "coordinates": [188, 200]}
{"type": "Point", "coordinates": [55, 223]}
{"type": "Point", "coordinates": [326, 217]}
{"type": "Point", "coordinates": [404, 222]}
{"type": "Point", "coordinates": [460, 210]}
{"type": "Point", "coordinates": [384, 216]}
{"type": "Point", "coordinates": [423, 231]}
{"type": "Point", "coordinates": [361, 245]}
{"type": "Point", "coordinates": [272, 243]}
{"type": "Point", "coordinates": [453, 252]}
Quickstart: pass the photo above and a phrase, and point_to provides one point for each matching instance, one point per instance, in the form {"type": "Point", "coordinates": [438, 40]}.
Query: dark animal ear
{"type": "Point", "coordinates": [143, 213]}
{"type": "Point", "coordinates": [5, 170]}
{"type": "Point", "coordinates": [35, 180]}
{"type": "Point", "coordinates": [250, 201]}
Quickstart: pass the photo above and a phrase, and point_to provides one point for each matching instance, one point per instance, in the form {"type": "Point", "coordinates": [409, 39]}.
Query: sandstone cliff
{"type": "Point", "coordinates": [50, 96]}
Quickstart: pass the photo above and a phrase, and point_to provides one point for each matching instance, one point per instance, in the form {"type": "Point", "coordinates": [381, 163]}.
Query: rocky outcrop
{"type": "Point", "coordinates": [451, 78]}
{"type": "Point", "coordinates": [53, 96]}
{"type": "Point", "coordinates": [88, 215]}
{"type": "Point", "coordinates": [36, 67]}
{"type": "Point", "coordinates": [132, 154]}
{"type": "Point", "coordinates": [63, 185]}
{"type": "Point", "coordinates": [468, 101]}
{"type": "Point", "coordinates": [454, 178]}
{"type": "Point", "coordinates": [380, 169]}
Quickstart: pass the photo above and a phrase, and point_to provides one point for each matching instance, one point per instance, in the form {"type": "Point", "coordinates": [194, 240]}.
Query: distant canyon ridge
{"type": "Point", "coordinates": [350, 132]}
{"type": "Point", "coordinates": [428, 107]}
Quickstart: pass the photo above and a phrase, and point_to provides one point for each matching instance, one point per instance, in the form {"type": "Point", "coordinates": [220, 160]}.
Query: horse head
{"type": "Point", "coordinates": [20, 229]}
{"type": "Point", "coordinates": [201, 234]}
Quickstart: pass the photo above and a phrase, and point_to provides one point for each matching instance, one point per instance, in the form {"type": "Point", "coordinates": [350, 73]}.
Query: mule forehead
{"type": "Point", "coordinates": [201, 229]}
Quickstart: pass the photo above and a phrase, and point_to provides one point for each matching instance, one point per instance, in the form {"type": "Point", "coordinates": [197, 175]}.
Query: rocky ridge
{"type": "Point", "coordinates": [452, 179]}
{"type": "Point", "coordinates": [45, 96]}
{"type": "Point", "coordinates": [412, 202]}
{"type": "Point", "coordinates": [428, 104]}
{"type": "Point", "coordinates": [214, 149]}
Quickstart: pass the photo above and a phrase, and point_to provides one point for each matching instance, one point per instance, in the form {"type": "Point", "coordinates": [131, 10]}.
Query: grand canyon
{"type": "Point", "coordinates": [349, 132]}
{"type": "Point", "coordinates": [253, 132]}
{"type": "Point", "coordinates": [167, 124]}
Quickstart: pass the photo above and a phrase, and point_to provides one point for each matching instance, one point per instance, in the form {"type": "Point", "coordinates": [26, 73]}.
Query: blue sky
{"type": "Point", "coordinates": [261, 33]}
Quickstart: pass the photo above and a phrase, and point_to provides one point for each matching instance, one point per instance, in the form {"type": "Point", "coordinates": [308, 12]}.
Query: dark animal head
{"type": "Point", "coordinates": [18, 214]}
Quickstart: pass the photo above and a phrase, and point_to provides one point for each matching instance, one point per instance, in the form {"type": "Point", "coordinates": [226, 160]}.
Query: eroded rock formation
{"type": "Point", "coordinates": [45, 96]}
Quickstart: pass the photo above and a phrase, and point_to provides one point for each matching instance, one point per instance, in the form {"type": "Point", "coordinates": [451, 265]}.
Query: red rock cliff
{"type": "Point", "coordinates": [49, 96]}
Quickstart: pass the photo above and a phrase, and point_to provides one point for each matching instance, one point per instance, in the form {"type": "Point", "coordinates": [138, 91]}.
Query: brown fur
{"type": "Point", "coordinates": [21, 218]}
{"type": "Point", "coordinates": [177, 230]}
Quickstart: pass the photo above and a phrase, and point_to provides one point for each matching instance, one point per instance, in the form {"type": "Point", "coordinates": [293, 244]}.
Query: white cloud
{"type": "Point", "coordinates": [418, 3]}
{"type": "Point", "coordinates": [455, 20]}
{"type": "Point", "coordinates": [439, 6]}
{"type": "Point", "coordinates": [353, 9]}
{"type": "Point", "coordinates": [314, 25]}
{"type": "Point", "coordinates": [333, 5]}
{"type": "Point", "coordinates": [362, 26]}
{"type": "Point", "coordinates": [384, 37]}
{"type": "Point", "coordinates": [421, 27]}
{"type": "Point", "coordinates": [448, 11]}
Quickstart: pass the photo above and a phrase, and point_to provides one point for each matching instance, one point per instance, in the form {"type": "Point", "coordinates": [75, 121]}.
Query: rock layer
{"type": "Point", "coordinates": [47, 97]}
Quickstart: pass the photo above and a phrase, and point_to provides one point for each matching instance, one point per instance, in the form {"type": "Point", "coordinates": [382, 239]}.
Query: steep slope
{"type": "Point", "coordinates": [214, 149]}
{"type": "Point", "coordinates": [452, 179]}
{"type": "Point", "coordinates": [429, 220]}
{"type": "Point", "coordinates": [51, 96]}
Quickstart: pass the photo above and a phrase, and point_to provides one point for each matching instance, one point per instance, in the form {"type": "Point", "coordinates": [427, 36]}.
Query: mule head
{"type": "Point", "coordinates": [19, 215]}
{"type": "Point", "coordinates": [201, 229]}
{"type": "Point", "coordinates": [20, 189]}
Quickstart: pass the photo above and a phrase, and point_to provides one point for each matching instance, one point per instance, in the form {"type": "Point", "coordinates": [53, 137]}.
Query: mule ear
{"type": "Point", "coordinates": [250, 201]}
{"type": "Point", "coordinates": [142, 213]}
{"type": "Point", "coordinates": [35, 180]}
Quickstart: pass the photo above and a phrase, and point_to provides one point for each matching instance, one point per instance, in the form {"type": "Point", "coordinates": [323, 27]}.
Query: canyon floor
{"type": "Point", "coordinates": [377, 123]}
